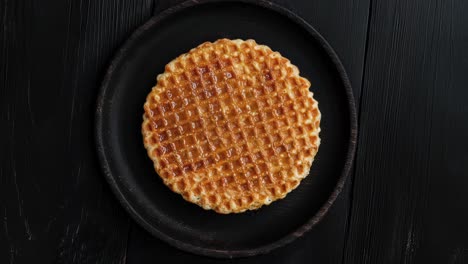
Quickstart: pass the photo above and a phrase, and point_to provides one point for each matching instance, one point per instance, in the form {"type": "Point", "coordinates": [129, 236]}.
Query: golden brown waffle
{"type": "Point", "coordinates": [231, 126]}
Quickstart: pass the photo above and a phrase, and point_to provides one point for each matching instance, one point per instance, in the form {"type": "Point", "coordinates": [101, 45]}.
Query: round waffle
{"type": "Point", "coordinates": [231, 126]}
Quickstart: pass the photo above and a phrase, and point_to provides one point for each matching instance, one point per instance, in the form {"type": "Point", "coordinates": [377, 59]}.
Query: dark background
{"type": "Point", "coordinates": [405, 202]}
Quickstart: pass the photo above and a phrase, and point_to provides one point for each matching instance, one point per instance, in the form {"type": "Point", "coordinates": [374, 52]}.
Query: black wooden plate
{"type": "Point", "coordinates": [130, 172]}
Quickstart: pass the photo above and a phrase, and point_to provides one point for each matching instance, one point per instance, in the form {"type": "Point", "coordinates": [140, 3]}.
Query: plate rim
{"type": "Point", "coordinates": [212, 252]}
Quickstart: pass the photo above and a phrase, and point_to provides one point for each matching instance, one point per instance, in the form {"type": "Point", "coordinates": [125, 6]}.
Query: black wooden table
{"type": "Point", "coordinates": [405, 202]}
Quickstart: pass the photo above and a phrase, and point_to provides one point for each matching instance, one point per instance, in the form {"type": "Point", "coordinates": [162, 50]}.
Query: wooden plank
{"type": "Point", "coordinates": [55, 204]}
{"type": "Point", "coordinates": [344, 25]}
{"type": "Point", "coordinates": [412, 165]}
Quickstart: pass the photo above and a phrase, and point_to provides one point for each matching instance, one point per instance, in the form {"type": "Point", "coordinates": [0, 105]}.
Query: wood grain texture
{"type": "Point", "coordinates": [55, 205]}
{"type": "Point", "coordinates": [410, 187]}
{"type": "Point", "coordinates": [325, 242]}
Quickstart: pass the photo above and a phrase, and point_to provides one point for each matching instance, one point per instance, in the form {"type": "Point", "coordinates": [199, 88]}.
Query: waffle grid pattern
{"type": "Point", "coordinates": [231, 126]}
